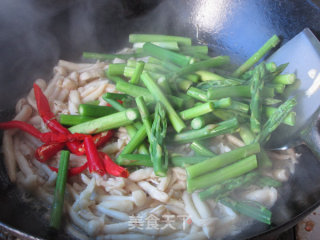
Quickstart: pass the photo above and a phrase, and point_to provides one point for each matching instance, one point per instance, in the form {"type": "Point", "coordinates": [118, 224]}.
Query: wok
{"type": "Point", "coordinates": [35, 34]}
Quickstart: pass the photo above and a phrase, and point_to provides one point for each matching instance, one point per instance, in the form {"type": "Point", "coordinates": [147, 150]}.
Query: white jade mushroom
{"type": "Point", "coordinates": [138, 197]}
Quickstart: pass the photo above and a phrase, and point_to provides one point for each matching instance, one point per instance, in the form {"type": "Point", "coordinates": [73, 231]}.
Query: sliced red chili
{"type": "Point", "coordinates": [48, 150]}
{"type": "Point", "coordinates": [42, 104]}
{"type": "Point", "coordinates": [45, 111]}
{"type": "Point", "coordinates": [112, 168]}
{"type": "Point", "coordinates": [94, 162]}
{"type": "Point", "coordinates": [76, 137]}
{"type": "Point", "coordinates": [101, 138]}
{"type": "Point", "coordinates": [72, 171]}
{"type": "Point", "coordinates": [26, 127]}
{"type": "Point", "coordinates": [50, 137]}
{"type": "Point", "coordinates": [76, 147]}
{"type": "Point", "coordinates": [55, 126]}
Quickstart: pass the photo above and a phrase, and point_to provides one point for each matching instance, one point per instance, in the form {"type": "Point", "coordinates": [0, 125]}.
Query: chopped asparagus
{"type": "Point", "coordinates": [222, 160]}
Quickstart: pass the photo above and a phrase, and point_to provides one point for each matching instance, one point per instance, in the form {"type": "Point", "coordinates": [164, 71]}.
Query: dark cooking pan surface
{"type": "Point", "coordinates": [34, 34]}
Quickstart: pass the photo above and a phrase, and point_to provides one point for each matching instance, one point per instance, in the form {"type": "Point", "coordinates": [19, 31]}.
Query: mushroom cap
{"type": "Point", "coordinates": [139, 197]}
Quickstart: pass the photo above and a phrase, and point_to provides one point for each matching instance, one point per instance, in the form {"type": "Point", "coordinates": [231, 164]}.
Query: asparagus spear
{"type": "Point", "coordinates": [156, 134]}
{"type": "Point", "coordinates": [219, 191]}
{"type": "Point", "coordinates": [280, 69]}
{"type": "Point", "coordinates": [113, 78]}
{"type": "Point", "coordinates": [145, 115]}
{"type": "Point", "coordinates": [71, 120]}
{"type": "Point", "coordinates": [290, 119]}
{"type": "Point", "coordinates": [150, 67]}
{"type": "Point", "coordinates": [159, 38]}
{"type": "Point", "coordinates": [135, 160]}
{"type": "Point", "coordinates": [231, 171]}
{"type": "Point", "coordinates": [176, 121]}
{"type": "Point", "coordinates": [278, 87]}
{"type": "Point", "coordinates": [104, 56]}
{"type": "Point", "coordinates": [225, 114]}
{"type": "Point", "coordinates": [208, 76]}
{"type": "Point", "coordinates": [212, 62]}
{"type": "Point", "coordinates": [105, 123]}
{"type": "Point", "coordinates": [197, 111]}
{"type": "Point", "coordinates": [222, 160]}
{"type": "Point", "coordinates": [197, 94]}
{"type": "Point", "coordinates": [198, 122]}
{"type": "Point", "coordinates": [194, 49]}
{"type": "Point", "coordinates": [208, 131]}
{"type": "Point", "coordinates": [57, 207]}
{"type": "Point", "coordinates": [270, 66]}
{"type": "Point", "coordinates": [271, 101]}
{"type": "Point", "coordinates": [115, 104]}
{"type": "Point", "coordinates": [184, 161]}
{"type": "Point", "coordinates": [129, 72]}
{"type": "Point", "coordinates": [167, 45]}
{"type": "Point", "coordinates": [94, 111]}
{"type": "Point", "coordinates": [236, 91]}
{"type": "Point", "coordinates": [165, 64]}
{"type": "Point", "coordinates": [238, 106]}
{"type": "Point", "coordinates": [184, 84]}
{"type": "Point", "coordinates": [136, 91]}
{"type": "Point", "coordinates": [227, 103]}
{"type": "Point", "coordinates": [114, 96]}
{"type": "Point", "coordinates": [136, 75]}
{"type": "Point", "coordinates": [158, 151]}
{"type": "Point", "coordinates": [116, 69]}
{"type": "Point", "coordinates": [166, 55]}
{"type": "Point", "coordinates": [188, 101]}
{"type": "Point", "coordinates": [285, 79]}
{"type": "Point", "coordinates": [255, 104]}
{"type": "Point", "coordinates": [164, 85]}
{"type": "Point", "coordinates": [201, 149]}
{"type": "Point", "coordinates": [219, 83]}
{"type": "Point", "coordinates": [275, 119]}
{"type": "Point", "coordinates": [271, 43]}
{"type": "Point", "coordinates": [249, 208]}
{"type": "Point", "coordinates": [135, 141]}
{"type": "Point", "coordinates": [246, 135]}
{"type": "Point", "coordinates": [131, 129]}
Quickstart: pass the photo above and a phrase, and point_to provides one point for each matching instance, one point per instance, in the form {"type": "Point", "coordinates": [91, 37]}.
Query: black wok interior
{"type": "Point", "coordinates": [35, 34]}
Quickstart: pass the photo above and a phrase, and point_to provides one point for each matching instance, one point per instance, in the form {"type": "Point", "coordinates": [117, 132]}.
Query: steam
{"type": "Point", "coordinates": [27, 47]}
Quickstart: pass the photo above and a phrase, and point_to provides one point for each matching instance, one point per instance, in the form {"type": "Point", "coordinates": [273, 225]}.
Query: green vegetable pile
{"type": "Point", "coordinates": [181, 95]}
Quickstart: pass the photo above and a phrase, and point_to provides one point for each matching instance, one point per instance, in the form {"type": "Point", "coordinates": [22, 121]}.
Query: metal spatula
{"type": "Point", "coordinates": [303, 55]}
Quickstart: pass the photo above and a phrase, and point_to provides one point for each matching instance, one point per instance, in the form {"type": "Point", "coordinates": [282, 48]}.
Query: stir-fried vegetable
{"type": "Point", "coordinates": [57, 206]}
{"type": "Point", "coordinates": [201, 98]}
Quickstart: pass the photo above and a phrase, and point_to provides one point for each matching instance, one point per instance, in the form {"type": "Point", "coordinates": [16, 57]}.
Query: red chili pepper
{"type": "Point", "coordinates": [45, 112]}
{"type": "Point", "coordinates": [112, 168]}
{"type": "Point", "coordinates": [99, 139]}
{"type": "Point", "coordinates": [76, 147]}
{"type": "Point", "coordinates": [26, 127]}
{"type": "Point", "coordinates": [72, 171]}
{"type": "Point", "coordinates": [48, 150]}
{"type": "Point", "coordinates": [76, 137]}
{"type": "Point", "coordinates": [94, 162]}
{"type": "Point", "coordinates": [42, 103]}
{"type": "Point", "coordinates": [50, 137]}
